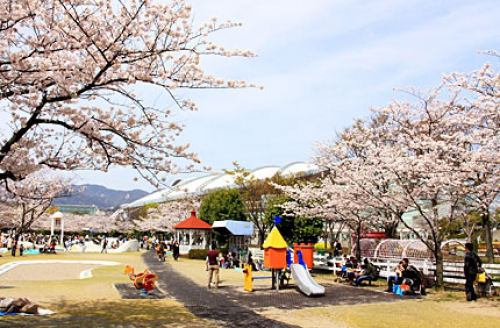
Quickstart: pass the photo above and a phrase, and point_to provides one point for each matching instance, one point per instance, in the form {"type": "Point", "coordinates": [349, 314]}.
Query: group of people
{"type": "Point", "coordinates": [403, 275]}
{"type": "Point", "coordinates": [408, 276]}
{"type": "Point", "coordinates": [229, 261]}
{"type": "Point", "coordinates": [15, 243]}
{"type": "Point", "coordinates": [355, 273]}
{"type": "Point", "coordinates": [216, 260]}
{"type": "Point", "coordinates": [162, 247]}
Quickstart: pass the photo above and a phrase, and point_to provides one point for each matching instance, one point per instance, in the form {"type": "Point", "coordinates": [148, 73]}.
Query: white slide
{"type": "Point", "coordinates": [126, 246]}
{"type": "Point", "coordinates": [305, 282]}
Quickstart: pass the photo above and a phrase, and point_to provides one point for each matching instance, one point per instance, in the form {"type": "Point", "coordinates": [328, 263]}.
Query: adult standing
{"type": "Point", "coordinates": [175, 250]}
{"type": "Point", "coordinates": [212, 266]}
{"type": "Point", "coordinates": [472, 262]}
{"type": "Point", "coordinates": [13, 247]}
{"type": "Point", "coordinates": [161, 249]}
{"type": "Point", "coordinates": [104, 245]}
{"type": "Point", "coordinates": [338, 249]}
{"type": "Point", "coordinates": [67, 244]}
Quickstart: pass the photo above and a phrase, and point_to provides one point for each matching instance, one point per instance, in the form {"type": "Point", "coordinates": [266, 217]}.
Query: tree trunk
{"type": "Point", "coordinates": [488, 236]}
{"type": "Point", "coordinates": [358, 247]}
{"type": "Point", "coordinates": [390, 231]}
{"type": "Point", "coordinates": [325, 236]}
{"type": "Point", "coordinates": [439, 268]}
{"type": "Point", "coordinates": [262, 235]}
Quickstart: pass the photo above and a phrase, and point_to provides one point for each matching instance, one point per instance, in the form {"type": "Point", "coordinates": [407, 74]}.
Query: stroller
{"type": "Point", "coordinates": [484, 286]}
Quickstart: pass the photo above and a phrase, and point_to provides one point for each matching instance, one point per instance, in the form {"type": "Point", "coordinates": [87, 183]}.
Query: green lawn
{"type": "Point", "coordinates": [95, 303]}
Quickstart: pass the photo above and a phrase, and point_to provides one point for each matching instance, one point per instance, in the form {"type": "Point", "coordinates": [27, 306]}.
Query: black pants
{"type": "Point", "coordinates": [469, 288]}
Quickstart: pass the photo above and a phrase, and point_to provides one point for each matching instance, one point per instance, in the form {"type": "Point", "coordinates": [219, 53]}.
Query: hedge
{"type": "Point", "coordinates": [201, 254]}
{"type": "Point", "coordinates": [198, 254]}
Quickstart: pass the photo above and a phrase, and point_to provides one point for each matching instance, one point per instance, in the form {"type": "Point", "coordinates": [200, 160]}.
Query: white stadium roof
{"type": "Point", "coordinates": [204, 184]}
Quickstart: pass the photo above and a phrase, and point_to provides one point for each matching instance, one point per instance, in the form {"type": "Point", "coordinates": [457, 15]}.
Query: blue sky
{"type": "Point", "coordinates": [322, 64]}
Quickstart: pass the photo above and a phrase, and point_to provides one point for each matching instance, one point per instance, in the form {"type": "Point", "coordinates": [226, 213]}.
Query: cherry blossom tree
{"type": "Point", "coordinates": [435, 154]}
{"type": "Point", "coordinates": [71, 73]}
{"type": "Point", "coordinates": [348, 162]}
{"type": "Point", "coordinates": [8, 216]}
{"type": "Point", "coordinates": [166, 215]}
{"type": "Point", "coordinates": [481, 120]}
{"type": "Point", "coordinates": [32, 197]}
{"type": "Point", "coordinates": [99, 222]}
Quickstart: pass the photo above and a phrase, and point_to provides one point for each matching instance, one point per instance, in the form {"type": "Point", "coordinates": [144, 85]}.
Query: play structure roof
{"type": "Point", "coordinates": [236, 228]}
{"type": "Point", "coordinates": [193, 223]}
{"type": "Point", "coordinates": [275, 240]}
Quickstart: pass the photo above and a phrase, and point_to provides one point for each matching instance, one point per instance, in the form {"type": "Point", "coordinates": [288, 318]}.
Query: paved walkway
{"type": "Point", "coordinates": [233, 308]}
{"type": "Point", "coordinates": [210, 304]}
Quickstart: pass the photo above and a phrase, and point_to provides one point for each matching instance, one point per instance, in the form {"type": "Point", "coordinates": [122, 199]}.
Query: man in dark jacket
{"type": "Point", "coordinates": [213, 266]}
{"type": "Point", "coordinates": [472, 262]}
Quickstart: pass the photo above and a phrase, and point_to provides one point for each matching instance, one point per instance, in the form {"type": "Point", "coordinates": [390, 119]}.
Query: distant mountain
{"type": "Point", "coordinates": [100, 196]}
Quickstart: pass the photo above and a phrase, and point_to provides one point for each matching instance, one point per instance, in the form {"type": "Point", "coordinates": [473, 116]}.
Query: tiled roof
{"type": "Point", "coordinates": [193, 223]}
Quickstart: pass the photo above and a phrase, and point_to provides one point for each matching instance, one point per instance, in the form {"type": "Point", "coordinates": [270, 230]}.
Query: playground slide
{"type": "Point", "coordinates": [127, 246]}
{"type": "Point", "coordinates": [305, 282]}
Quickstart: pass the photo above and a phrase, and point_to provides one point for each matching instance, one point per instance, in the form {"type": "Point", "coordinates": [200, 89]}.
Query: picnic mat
{"type": "Point", "coordinates": [40, 312]}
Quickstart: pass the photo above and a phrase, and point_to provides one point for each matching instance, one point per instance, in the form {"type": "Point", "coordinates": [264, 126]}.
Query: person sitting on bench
{"type": "Point", "coordinates": [368, 273]}
{"type": "Point", "coordinates": [410, 276]}
{"type": "Point", "coordinates": [395, 277]}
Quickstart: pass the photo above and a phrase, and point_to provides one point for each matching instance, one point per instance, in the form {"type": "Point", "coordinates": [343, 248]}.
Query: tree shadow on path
{"type": "Point", "coordinates": [206, 304]}
{"type": "Point", "coordinates": [234, 308]}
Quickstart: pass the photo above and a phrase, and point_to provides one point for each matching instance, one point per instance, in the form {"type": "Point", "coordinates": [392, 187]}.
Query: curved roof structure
{"type": "Point", "coordinates": [201, 185]}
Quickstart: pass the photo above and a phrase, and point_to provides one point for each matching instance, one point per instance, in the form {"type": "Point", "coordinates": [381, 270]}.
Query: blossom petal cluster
{"type": "Point", "coordinates": [69, 75]}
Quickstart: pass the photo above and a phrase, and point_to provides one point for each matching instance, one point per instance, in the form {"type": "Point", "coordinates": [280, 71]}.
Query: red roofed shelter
{"type": "Point", "coordinates": [192, 233]}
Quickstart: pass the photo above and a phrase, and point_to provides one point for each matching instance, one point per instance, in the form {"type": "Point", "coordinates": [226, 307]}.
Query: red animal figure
{"type": "Point", "coordinates": [144, 281]}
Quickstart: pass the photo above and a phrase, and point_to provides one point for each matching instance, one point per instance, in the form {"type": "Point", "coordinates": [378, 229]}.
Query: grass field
{"type": "Point", "coordinates": [94, 302]}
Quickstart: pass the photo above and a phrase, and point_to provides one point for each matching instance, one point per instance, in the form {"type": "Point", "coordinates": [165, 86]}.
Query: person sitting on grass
{"type": "Point", "coordinates": [236, 260]}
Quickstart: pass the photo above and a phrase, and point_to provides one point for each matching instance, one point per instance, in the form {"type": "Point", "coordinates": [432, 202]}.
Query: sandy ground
{"type": "Point", "coordinates": [54, 282]}
{"type": "Point", "coordinates": [53, 271]}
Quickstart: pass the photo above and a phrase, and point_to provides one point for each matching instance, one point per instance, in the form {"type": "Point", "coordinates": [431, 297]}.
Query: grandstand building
{"type": "Point", "coordinates": [198, 186]}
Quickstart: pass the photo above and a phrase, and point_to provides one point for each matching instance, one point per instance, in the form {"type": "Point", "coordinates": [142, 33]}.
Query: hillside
{"type": "Point", "coordinates": [101, 197]}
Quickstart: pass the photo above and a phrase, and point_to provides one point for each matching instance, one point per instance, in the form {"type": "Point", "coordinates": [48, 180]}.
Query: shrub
{"type": "Point", "coordinates": [321, 246]}
{"type": "Point", "coordinates": [197, 254]}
